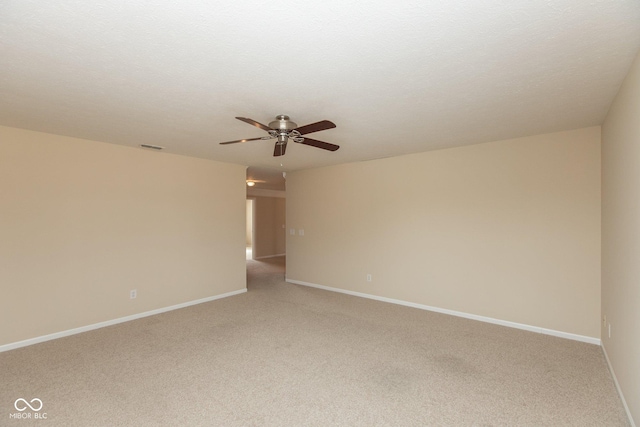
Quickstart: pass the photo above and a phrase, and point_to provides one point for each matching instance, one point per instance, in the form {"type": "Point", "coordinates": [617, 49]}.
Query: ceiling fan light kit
{"type": "Point", "coordinates": [251, 182]}
{"type": "Point", "coordinates": [282, 129]}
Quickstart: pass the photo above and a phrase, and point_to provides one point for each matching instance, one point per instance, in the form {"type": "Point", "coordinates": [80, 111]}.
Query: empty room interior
{"type": "Point", "coordinates": [307, 213]}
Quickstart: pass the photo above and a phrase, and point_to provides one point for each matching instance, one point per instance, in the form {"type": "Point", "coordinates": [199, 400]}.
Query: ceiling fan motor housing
{"type": "Point", "coordinates": [282, 127]}
{"type": "Point", "coordinates": [282, 123]}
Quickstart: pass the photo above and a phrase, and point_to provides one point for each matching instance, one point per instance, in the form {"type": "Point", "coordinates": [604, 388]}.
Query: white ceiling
{"type": "Point", "coordinates": [396, 77]}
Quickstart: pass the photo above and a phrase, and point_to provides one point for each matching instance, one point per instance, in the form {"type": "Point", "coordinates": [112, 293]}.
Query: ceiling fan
{"type": "Point", "coordinates": [282, 129]}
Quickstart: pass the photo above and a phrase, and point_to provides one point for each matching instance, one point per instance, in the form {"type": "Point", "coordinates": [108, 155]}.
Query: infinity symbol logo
{"type": "Point", "coordinates": [27, 403]}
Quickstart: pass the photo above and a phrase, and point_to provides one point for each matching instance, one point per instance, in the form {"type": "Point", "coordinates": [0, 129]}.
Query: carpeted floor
{"type": "Point", "coordinates": [286, 355]}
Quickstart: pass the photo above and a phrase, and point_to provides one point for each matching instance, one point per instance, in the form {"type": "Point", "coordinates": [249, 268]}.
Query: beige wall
{"type": "Point", "coordinates": [508, 230]}
{"type": "Point", "coordinates": [621, 237]}
{"type": "Point", "coordinates": [269, 220]}
{"type": "Point", "coordinates": [82, 223]}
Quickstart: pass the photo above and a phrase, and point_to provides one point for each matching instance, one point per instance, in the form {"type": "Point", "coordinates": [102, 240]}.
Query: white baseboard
{"type": "Point", "coordinates": [515, 325]}
{"type": "Point", "coordinates": [269, 256]}
{"type": "Point", "coordinates": [615, 381]}
{"type": "Point", "coordinates": [81, 329]}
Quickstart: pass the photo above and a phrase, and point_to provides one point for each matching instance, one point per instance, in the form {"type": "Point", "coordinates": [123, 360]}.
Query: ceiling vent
{"type": "Point", "coordinates": [152, 147]}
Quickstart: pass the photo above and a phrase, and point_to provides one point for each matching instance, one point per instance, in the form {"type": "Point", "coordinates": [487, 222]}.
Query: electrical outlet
{"type": "Point", "coordinates": [369, 278]}
{"type": "Point", "coordinates": [133, 293]}
{"type": "Point", "coordinates": [301, 232]}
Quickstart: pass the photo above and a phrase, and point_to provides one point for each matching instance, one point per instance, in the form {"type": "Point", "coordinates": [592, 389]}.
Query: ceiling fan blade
{"type": "Point", "coordinates": [240, 140]}
{"type": "Point", "coordinates": [320, 144]}
{"type": "Point", "coordinates": [279, 149]}
{"type": "Point", "coordinates": [254, 123]}
{"type": "Point", "coordinates": [315, 127]}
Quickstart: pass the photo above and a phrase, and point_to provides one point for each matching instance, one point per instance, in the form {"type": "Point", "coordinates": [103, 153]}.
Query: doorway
{"type": "Point", "coordinates": [250, 237]}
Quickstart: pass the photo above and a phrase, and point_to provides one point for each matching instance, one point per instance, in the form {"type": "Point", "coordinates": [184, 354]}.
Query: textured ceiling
{"type": "Point", "coordinates": [396, 77]}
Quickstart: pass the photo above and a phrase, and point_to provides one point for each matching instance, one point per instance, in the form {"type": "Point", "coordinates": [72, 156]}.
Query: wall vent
{"type": "Point", "coordinates": [153, 147]}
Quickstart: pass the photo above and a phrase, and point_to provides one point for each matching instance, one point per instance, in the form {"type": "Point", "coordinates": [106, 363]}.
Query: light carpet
{"type": "Point", "coordinates": [287, 355]}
